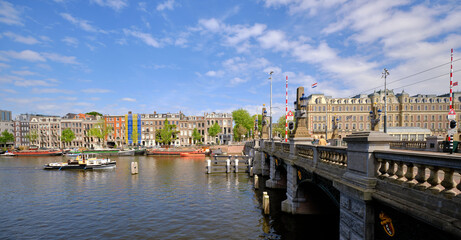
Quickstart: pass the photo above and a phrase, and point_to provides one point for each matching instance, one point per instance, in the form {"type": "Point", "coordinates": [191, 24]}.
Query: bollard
{"type": "Point", "coordinates": [208, 162]}
{"type": "Point", "coordinates": [228, 166]}
{"type": "Point", "coordinates": [251, 171]}
{"type": "Point", "coordinates": [236, 165]}
{"type": "Point", "coordinates": [249, 162]}
{"type": "Point", "coordinates": [134, 167]}
{"type": "Point", "coordinates": [256, 182]}
{"type": "Point", "coordinates": [266, 203]}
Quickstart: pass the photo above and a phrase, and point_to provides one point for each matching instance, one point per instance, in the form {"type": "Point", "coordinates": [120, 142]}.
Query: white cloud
{"type": "Point", "coordinates": [311, 6]}
{"type": "Point", "coordinates": [83, 24]}
{"type": "Point", "coordinates": [9, 15]}
{"type": "Point", "coordinates": [214, 73]}
{"type": "Point", "coordinates": [145, 37]}
{"type": "Point", "coordinates": [9, 90]}
{"type": "Point", "coordinates": [27, 55]}
{"type": "Point", "coordinates": [24, 73]}
{"type": "Point", "coordinates": [51, 90]}
{"type": "Point", "coordinates": [59, 58]}
{"type": "Point", "coordinates": [70, 41]}
{"type": "Point", "coordinates": [18, 38]}
{"type": "Point", "coordinates": [117, 5]}
{"type": "Point", "coordinates": [96, 90]}
{"type": "Point", "coordinates": [168, 4]}
{"type": "Point", "coordinates": [237, 80]}
{"type": "Point", "coordinates": [31, 83]}
{"type": "Point", "coordinates": [128, 99]}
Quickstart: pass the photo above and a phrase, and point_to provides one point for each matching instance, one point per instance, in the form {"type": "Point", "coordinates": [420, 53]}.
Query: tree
{"type": "Point", "coordinates": [67, 135]}
{"type": "Point", "coordinates": [94, 113]}
{"type": "Point", "coordinates": [280, 126]}
{"type": "Point", "coordinates": [6, 137]}
{"type": "Point", "coordinates": [32, 136]}
{"type": "Point", "coordinates": [167, 134]}
{"type": "Point", "coordinates": [214, 130]}
{"type": "Point", "coordinates": [100, 130]}
{"type": "Point", "coordinates": [242, 120]}
{"type": "Point", "coordinates": [239, 130]}
{"type": "Point", "coordinates": [196, 135]}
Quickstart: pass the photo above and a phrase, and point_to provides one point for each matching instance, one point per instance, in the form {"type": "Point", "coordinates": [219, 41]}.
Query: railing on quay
{"type": "Point", "coordinates": [229, 164]}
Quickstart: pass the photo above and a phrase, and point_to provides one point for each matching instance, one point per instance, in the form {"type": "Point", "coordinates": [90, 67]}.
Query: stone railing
{"type": "Point", "coordinates": [413, 145]}
{"type": "Point", "coordinates": [286, 147]}
{"type": "Point", "coordinates": [421, 171]}
{"type": "Point", "coordinates": [278, 146]}
{"type": "Point", "coordinates": [333, 155]}
{"type": "Point", "coordinates": [305, 151]}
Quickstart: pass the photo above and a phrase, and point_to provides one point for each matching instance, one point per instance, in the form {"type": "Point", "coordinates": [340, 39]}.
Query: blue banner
{"type": "Point", "coordinates": [139, 128]}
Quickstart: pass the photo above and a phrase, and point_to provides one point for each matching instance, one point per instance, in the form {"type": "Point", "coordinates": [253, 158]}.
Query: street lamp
{"type": "Point", "coordinates": [385, 74]}
{"type": "Point", "coordinates": [270, 108]}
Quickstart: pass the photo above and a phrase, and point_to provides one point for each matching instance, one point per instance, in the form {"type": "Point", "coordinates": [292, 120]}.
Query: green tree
{"type": "Point", "coordinates": [100, 130]}
{"type": "Point", "coordinates": [196, 135]}
{"type": "Point", "coordinates": [239, 130]}
{"type": "Point", "coordinates": [214, 130]}
{"type": "Point", "coordinates": [67, 135]}
{"type": "Point", "coordinates": [243, 118]}
{"type": "Point", "coordinates": [32, 136]}
{"type": "Point", "coordinates": [94, 113]}
{"type": "Point", "coordinates": [6, 137]}
{"type": "Point", "coordinates": [280, 126]}
{"type": "Point", "coordinates": [167, 134]}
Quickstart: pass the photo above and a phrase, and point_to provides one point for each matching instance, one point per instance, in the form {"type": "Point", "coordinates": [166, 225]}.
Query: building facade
{"type": "Point", "coordinates": [21, 130]}
{"type": "Point", "coordinates": [353, 114]}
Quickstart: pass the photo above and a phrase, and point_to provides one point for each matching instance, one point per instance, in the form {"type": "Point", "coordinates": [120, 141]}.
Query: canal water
{"type": "Point", "coordinates": [170, 198]}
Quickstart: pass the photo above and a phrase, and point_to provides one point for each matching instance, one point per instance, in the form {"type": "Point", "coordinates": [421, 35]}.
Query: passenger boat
{"type": "Point", "coordinates": [126, 152]}
{"type": "Point", "coordinates": [35, 153]}
{"type": "Point", "coordinates": [82, 162]}
{"type": "Point", "coordinates": [8, 154]}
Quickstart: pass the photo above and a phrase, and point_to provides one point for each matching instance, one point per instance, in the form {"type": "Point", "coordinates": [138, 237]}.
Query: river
{"type": "Point", "coordinates": [170, 198]}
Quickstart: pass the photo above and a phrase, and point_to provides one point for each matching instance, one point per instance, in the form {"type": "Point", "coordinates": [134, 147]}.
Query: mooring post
{"type": "Point", "coordinates": [236, 165]}
{"type": "Point", "coordinates": [228, 165]}
{"type": "Point", "coordinates": [266, 205]}
{"type": "Point", "coordinates": [251, 171]}
{"type": "Point", "coordinates": [134, 167]}
{"type": "Point", "coordinates": [256, 182]}
{"type": "Point", "coordinates": [249, 162]}
{"type": "Point", "coordinates": [208, 162]}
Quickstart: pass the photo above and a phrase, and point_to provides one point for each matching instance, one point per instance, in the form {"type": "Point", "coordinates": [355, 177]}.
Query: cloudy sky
{"type": "Point", "coordinates": [113, 56]}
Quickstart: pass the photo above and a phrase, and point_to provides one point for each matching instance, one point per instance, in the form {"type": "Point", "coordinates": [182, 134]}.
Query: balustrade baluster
{"type": "Point", "coordinates": [410, 175]}
{"type": "Point", "coordinates": [391, 169]}
{"type": "Point", "coordinates": [434, 180]}
{"type": "Point", "coordinates": [448, 183]}
{"type": "Point", "coordinates": [420, 177]}
{"type": "Point", "coordinates": [399, 173]}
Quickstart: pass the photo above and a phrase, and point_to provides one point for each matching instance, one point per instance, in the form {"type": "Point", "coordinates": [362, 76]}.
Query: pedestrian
{"type": "Point", "coordinates": [322, 141]}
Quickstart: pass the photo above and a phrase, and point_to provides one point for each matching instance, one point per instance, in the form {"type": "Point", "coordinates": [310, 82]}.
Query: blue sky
{"type": "Point", "coordinates": [115, 56]}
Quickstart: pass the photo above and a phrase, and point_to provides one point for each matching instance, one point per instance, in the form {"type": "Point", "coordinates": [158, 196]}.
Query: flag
{"type": "Point", "coordinates": [314, 85]}
{"type": "Point", "coordinates": [455, 84]}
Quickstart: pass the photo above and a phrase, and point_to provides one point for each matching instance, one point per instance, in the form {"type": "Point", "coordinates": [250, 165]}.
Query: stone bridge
{"type": "Point", "coordinates": [375, 190]}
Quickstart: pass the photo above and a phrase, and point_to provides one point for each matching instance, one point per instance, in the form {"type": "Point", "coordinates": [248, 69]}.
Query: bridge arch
{"type": "Point", "coordinates": [313, 198]}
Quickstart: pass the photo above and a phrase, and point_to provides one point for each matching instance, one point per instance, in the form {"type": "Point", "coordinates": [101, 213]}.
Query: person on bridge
{"type": "Point", "coordinates": [322, 141]}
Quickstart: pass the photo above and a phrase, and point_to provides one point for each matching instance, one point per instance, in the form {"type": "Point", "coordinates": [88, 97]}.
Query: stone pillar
{"type": "Point", "coordinates": [358, 183]}
{"type": "Point", "coordinates": [257, 163]}
{"type": "Point", "coordinates": [265, 168]}
{"type": "Point", "coordinates": [275, 180]}
{"type": "Point", "coordinates": [432, 143]}
{"type": "Point", "coordinates": [292, 185]}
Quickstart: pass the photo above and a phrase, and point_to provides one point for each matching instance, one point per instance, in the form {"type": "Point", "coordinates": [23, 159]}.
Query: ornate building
{"type": "Point", "coordinates": [352, 114]}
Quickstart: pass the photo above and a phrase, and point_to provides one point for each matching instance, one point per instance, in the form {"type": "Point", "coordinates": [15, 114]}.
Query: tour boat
{"type": "Point", "coordinates": [36, 153]}
{"type": "Point", "coordinates": [82, 162]}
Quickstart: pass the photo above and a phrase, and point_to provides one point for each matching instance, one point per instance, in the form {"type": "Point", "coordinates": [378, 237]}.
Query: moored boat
{"type": "Point", "coordinates": [198, 153]}
{"type": "Point", "coordinates": [126, 152]}
{"type": "Point", "coordinates": [8, 154]}
{"type": "Point", "coordinates": [167, 152]}
{"type": "Point", "coordinates": [82, 162]}
{"type": "Point", "coordinates": [35, 153]}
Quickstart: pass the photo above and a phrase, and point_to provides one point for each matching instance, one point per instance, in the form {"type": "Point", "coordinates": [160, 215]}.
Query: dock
{"type": "Point", "coordinates": [229, 164]}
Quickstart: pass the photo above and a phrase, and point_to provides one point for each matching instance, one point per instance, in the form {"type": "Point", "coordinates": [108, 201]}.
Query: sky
{"type": "Point", "coordinates": [115, 56]}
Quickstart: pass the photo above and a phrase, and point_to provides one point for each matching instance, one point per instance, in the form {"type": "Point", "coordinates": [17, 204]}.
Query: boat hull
{"type": "Point", "coordinates": [38, 153]}
{"type": "Point", "coordinates": [81, 166]}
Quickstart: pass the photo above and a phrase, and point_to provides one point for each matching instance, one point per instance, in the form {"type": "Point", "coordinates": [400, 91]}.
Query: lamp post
{"type": "Point", "coordinates": [385, 74]}
{"type": "Point", "coordinates": [270, 108]}
{"type": "Point", "coordinates": [375, 115]}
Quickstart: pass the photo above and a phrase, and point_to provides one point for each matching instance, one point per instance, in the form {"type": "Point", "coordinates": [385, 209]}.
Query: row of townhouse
{"type": "Point", "coordinates": [130, 129]}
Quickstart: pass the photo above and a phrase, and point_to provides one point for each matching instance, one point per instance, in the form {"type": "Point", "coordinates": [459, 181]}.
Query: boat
{"type": "Point", "coordinates": [126, 152]}
{"type": "Point", "coordinates": [167, 152]}
{"type": "Point", "coordinates": [139, 151]}
{"type": "Point", "coordinates": [35, 153]}
{"type": "Point", "coordinates": [8, 154]}
{"type": "Point", "coordinates": [82, 162]}
{"type": "Point", "coordinates": [198, 153]}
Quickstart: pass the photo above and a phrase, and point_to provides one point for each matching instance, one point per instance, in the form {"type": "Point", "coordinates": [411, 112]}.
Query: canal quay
{"type": "Point", "coordinates": [170, 198]}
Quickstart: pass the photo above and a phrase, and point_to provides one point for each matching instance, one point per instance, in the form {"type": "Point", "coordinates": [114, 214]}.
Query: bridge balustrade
{"type": "Point", "coordinates": [336, 156]}
{"type": "Point", "coordinates": [421, 171]}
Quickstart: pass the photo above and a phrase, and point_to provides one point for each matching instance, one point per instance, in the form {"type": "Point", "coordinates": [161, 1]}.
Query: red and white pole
{"type": "Point", "coordinates": [451, 80]}
{"type": "Point", "coordinates": [286, 109]}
